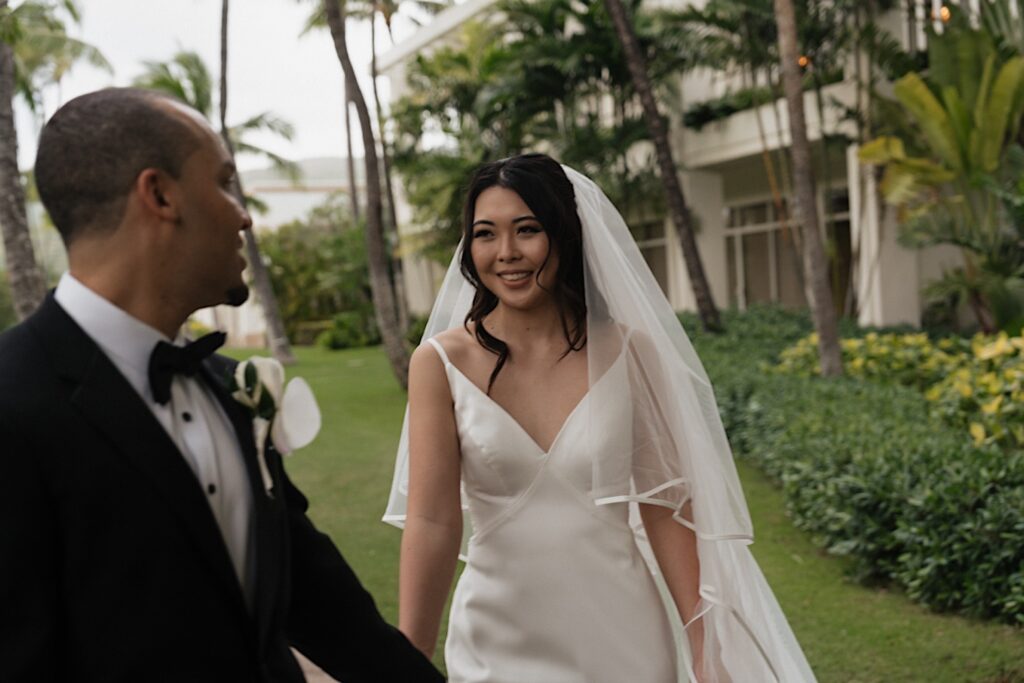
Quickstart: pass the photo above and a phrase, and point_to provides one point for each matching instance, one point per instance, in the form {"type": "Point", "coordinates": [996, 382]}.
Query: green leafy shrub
{"type": "Point", "coordinates": [976, 385]}
{"type": "Point", "coordinates": [317, 267]}
{"type": "Point", "coordinates": [873, 479]}
{"type": "Point", "coordinates": [872, 474]}
{"type": "Point", "coordinates": [986, 394]}
{"type": "Point", "coordinates": [907, 359]}
{"type": "Point", "coordinates": [350, 329]}
{"type": "Point", "coordinates": [308, 332]}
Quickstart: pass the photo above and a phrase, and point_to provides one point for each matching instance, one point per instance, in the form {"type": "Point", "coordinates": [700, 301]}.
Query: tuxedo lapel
{"type": "Point", "coordinates": [106, 399]}
{"type": "Point", "coordinates": [267, 511]}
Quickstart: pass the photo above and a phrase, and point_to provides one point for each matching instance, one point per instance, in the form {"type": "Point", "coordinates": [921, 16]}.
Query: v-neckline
{"type": "Point", "coordinates": [565, 423]}
{"type": "Point", "coordinates": [513, 420]}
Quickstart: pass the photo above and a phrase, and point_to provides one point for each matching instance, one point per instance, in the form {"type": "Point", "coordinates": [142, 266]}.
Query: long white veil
{"type": "Point", "coordinates": [680, 457]}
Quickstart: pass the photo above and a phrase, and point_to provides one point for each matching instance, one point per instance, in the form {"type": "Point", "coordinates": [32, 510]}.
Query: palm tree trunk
{"type": "Point", "coordinates": [397, 276]}
{"type": "Point", "coordinates": [277, 337]}
{"type": "Point", "coordinates": [815, 265]}
{"type": "Point", "coordinates": [353, 191]}
{"type": "Point", "coordinates": [673, 190]}
{"type": "Point", "coordinates": [28, 285]}
{"type": "Point", "coordinates": [376, 253]}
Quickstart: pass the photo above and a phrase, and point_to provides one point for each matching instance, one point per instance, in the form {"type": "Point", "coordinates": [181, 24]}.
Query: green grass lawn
{"type": "Point", "coordinates": [850, 634]}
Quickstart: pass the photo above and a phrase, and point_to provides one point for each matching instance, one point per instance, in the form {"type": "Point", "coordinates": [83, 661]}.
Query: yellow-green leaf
{"type": "Point", "coordinates": [996, 112]}
{"type": "Point", "coordinates": [881, 150]}
{"type": "Point", "coordinates": [978, 432]}
{"type": "Point", "coordinates": [914, 94]}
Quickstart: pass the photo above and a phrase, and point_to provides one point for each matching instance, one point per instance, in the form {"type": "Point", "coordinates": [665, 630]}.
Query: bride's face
{"type": "Point", "coordinates": [510, 250]}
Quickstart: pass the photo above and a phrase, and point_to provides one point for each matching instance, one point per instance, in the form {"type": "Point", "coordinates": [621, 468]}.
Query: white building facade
{"type": "Point", "coordinates": [746, 246]}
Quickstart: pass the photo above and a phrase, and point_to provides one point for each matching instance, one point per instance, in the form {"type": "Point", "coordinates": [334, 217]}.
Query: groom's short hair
{"type": "Point", "coordinates": [94, 147]}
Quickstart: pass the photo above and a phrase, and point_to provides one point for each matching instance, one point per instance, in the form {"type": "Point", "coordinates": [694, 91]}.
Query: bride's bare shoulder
{"type": "Point", "coordinates": [459, 344]}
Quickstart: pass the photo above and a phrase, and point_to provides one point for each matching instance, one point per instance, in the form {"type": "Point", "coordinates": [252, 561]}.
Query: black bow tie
{"type": "Point", "coordinates": [168, 360]}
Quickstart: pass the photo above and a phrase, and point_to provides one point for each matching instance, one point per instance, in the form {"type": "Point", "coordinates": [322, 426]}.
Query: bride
{"type": "Point", "coordinates": [560, 420]}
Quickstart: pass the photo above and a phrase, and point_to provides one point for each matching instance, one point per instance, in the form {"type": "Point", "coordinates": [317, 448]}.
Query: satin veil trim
{"type": "Point", "coordinates": [647, 498]}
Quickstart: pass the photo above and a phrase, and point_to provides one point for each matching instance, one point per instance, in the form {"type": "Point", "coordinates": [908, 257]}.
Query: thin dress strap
{"type": "Point", "coordinates": [440, 350]}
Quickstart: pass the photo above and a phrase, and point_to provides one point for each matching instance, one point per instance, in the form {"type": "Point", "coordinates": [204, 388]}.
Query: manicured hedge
{"type": "Point", "coordinates": [872, 475]}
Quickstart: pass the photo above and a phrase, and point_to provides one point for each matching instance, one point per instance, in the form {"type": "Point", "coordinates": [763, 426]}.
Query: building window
{"type": "Point", "coordinates": [650, 237]}
{"type": "Point", "coordinates": [763, 259]}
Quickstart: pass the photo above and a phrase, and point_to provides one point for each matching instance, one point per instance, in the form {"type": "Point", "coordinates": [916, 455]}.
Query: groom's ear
{"type": "Point", "coordinates": [154, 189]}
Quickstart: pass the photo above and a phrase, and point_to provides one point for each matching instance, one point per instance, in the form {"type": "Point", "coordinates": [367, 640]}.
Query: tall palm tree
{"type": "Point", "coordinates": [387, 10]}
{"type": "Point", "coordinates": [381, 285]}
{"type": "Point", "coordinates": [278, 338]}
{"type": "Point", "coordinates": [669, 177]}
{"type": "Point", "coordinates": [815, 265]}
{"type": "Point", "coordinates": [353, 189]}
{"type": "Point", "coordinates": [367, 10]}
{"type": "Point", "coordinates": [35, 50]}
{"type": "Point", "coordinates": [26, 278]}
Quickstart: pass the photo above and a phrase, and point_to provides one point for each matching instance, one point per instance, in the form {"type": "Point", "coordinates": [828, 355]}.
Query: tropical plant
{"type": "Point", "coordinates": [1004, 21]}
{"type": "Point", "coordinates": [953, 165]}
{"type": "Point", "coordinates": [35, 51]}
{"type": "Point", "coordinates": [187, 77]}
{"type": "Point", "coordinates": [44, 52]}
{"type": "Point", "coordinates": [318, 266]}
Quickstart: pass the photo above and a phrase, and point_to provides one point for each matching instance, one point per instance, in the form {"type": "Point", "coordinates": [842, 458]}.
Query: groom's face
{"type": "Point", "coordinates": [210, 225]}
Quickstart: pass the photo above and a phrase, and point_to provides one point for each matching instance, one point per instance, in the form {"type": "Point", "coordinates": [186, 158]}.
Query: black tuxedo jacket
{"type": "Point", "coordinates": [112, 567]}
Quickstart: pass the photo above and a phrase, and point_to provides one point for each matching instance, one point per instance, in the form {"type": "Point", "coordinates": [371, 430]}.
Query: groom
{"type": "Point", "coordinates": [137, 539]}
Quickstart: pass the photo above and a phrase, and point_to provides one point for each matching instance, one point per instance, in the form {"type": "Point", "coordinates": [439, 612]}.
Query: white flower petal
{"type": "Point", "coordinates": [260, 428]}
{"type": "Point", "coordinates": [271, 375]}
{"type": "Point", "coordinates": [240, 375]}
{"type": "Point", "coordinates": [298, 421]}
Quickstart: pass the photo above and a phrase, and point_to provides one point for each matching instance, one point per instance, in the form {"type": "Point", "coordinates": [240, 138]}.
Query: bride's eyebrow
{"type": "Point", "coordinates": [485, 221]}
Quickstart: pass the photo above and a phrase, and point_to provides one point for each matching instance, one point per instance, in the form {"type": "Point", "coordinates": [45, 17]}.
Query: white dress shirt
{"type": "Point", "coordinates": [193, 418]}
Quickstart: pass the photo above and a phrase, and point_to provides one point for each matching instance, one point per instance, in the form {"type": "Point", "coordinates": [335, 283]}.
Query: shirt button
{"type": "Point", "coordinates": [186, 416]}
{"type": "Point", "coordinates": [211, 489]}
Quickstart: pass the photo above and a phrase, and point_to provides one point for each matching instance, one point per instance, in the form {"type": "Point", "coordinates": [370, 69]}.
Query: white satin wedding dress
{"type": "Point", "coordinates": [555, 589]}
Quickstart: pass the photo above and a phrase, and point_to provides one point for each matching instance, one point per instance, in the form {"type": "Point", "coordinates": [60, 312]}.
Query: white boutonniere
{"type": "Point", "coordinates": [288, 414]}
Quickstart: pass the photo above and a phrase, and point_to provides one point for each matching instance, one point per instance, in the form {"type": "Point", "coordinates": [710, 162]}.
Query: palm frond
{"type": "Point", "coordinates": [266, 121]}
{"type": "Point", "coordinates": [44, 52]}
{"type": "Point", "coordinates": [285, 166]}
{"type": "Point", "coordinates": [185, 77]}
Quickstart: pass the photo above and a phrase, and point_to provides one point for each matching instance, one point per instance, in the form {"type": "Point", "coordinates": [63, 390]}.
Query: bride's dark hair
{"type": "Point", "coordinates": [542, 184]}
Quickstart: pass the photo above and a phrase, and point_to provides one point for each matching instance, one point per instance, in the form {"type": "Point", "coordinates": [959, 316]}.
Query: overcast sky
{"type": "Point", "coordinates": [270, 68]}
